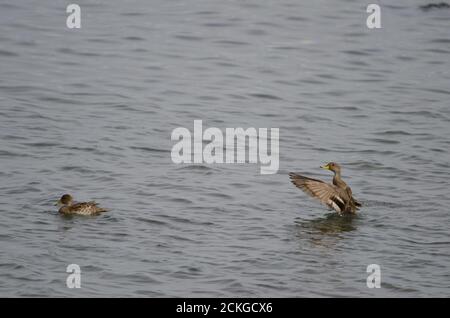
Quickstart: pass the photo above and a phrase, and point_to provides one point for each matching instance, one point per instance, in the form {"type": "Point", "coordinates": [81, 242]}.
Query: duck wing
{"type": "Point", "coordinates": [86, 208]}
{"type": "Point", "coordinates": [326, 193]}
{"type": "Point", "coordinates": [96, 207]}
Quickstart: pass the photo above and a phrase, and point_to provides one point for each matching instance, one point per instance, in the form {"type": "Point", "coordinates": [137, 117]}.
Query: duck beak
{"type": "Point", "coordinates": [326, 167]}
{"type": "Point", "coordinates": [58, 203]}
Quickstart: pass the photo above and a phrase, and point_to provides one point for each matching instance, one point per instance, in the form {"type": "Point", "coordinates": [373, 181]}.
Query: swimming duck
{"type": "Point", "coordinates": [68, 207]}
{"type": "Point", "coordinates": [337, 196]}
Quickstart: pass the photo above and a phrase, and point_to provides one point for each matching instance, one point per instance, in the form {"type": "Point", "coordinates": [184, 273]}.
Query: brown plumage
{"type": "Point", "coordinates": [337, 196]}
{"type": "Point", "coordinates": [68, 207]}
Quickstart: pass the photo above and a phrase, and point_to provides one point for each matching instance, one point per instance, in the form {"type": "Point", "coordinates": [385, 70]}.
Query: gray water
{"type": "Point", "coordinates": [90, 112]}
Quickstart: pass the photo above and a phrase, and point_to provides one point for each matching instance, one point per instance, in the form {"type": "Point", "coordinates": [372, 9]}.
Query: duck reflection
{"type": "Point", "coordinates": [325, 230]}
{"type": "Point", "coordinates": [330, 224]}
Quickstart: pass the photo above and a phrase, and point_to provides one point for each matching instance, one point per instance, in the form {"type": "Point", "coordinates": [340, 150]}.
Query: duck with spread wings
{"type": "Point", "coordinates": [338, 195]}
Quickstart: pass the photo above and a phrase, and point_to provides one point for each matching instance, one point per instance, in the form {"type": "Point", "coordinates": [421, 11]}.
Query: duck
{"type": "Point", "coordinates": [337, 196]}
{"type": "Point", "coordinates": [69, 207]}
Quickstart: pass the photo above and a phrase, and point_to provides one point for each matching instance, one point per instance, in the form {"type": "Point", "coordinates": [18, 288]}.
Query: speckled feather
{"type": "Point", "coordinates": [82, 208]}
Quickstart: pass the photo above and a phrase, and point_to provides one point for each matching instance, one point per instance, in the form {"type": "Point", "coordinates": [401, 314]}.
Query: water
{"type": "Point", "coordinates": [90, 112]}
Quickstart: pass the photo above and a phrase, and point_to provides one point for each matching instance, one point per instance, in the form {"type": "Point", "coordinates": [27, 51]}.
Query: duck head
{"type": "Point", "coordinates": [66, 199]}
{"type": "Point", "coordinates": [332, 166]}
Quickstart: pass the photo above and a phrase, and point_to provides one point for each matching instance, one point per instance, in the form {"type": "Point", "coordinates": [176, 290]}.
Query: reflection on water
{"type": "Point", "coordinates": [324, 231]}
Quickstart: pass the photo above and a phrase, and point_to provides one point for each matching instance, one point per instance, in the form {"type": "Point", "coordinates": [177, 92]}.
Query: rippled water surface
{"type": "Point", "coordinates": [90, 112]}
